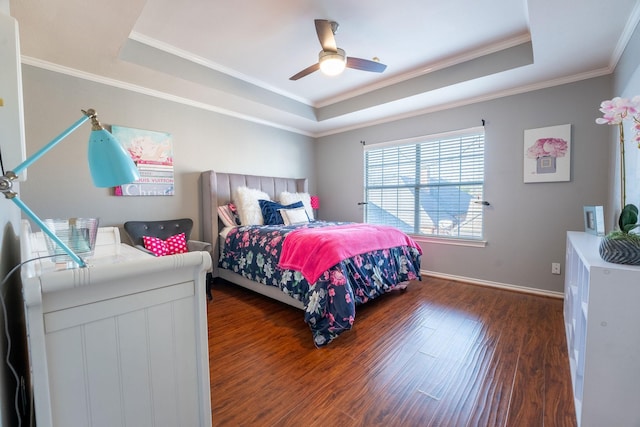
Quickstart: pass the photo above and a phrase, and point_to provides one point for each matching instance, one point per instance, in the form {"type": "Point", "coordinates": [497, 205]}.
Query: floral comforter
{"type": "Point", "coordinates": [254, 252]}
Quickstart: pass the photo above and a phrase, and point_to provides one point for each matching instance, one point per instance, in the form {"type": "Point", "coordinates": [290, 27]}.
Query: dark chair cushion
{"type": "Point", "coordinates": [159, 229]}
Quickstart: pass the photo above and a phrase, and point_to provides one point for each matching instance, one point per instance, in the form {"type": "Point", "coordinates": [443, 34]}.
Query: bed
{"type": "Point", "coordinates": [327, 295]}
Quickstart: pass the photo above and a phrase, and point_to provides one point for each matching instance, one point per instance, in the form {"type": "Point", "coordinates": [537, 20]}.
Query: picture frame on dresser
{"type": "Point", "coordinates": [594, 220]}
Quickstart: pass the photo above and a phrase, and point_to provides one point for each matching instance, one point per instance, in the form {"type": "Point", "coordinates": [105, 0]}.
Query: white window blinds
{"type": "Point", "coordinates": [427, 185]}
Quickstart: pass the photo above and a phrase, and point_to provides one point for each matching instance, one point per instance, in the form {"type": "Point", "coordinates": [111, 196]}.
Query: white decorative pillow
{"type": "Point", "coordinates": [294, 216]}
{"type": "Point", "coordinates": [287, 198]}
{"type": "Point", "coordinates": [246, 201]}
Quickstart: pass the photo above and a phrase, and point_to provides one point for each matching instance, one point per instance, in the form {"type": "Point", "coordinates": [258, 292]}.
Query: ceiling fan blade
{"type": "Point", "coordinates": [365, 65]}
{"type": "Point", "coordinates": [306, 72]}
{"type": "Point", "coordinates": [325, 35]}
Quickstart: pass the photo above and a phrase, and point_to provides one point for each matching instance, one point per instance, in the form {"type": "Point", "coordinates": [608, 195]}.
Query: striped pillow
{"type": "Point", "coordinates": [228, 217]}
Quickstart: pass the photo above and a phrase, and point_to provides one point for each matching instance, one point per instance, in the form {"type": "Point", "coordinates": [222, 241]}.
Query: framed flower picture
{"type": "Point", "coordinates": [547, 154]}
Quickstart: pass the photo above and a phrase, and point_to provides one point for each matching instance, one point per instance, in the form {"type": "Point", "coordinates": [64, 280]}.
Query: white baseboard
{"type": "Point", "coordinates": [516, 288]}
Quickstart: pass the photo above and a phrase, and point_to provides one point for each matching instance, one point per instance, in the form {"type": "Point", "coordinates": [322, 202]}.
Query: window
{"type": "Point", "coordinates": [427, 185]}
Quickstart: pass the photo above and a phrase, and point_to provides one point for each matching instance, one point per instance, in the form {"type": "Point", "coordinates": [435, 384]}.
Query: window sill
{"type": "Point", "coordinates": [454, 242]}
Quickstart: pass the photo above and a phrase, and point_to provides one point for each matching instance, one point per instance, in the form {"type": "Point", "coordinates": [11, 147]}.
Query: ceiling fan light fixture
{"type": "Point", "coordinates": [332, 63]}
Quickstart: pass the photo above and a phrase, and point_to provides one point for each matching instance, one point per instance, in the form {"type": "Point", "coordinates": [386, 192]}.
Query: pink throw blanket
{"type": "Point", "coordinates": [312, 251]}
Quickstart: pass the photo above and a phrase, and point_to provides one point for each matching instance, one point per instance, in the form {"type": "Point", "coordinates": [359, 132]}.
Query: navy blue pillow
{"type": "Point", "coordinates": [270, 212]}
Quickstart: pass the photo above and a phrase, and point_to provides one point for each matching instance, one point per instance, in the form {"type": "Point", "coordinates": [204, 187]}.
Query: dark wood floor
{"type": "Point", "coordinates": [442, 353]}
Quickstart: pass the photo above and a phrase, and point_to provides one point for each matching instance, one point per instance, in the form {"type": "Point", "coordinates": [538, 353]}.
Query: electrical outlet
{"type": "Point", "coordinates": [555, 268]}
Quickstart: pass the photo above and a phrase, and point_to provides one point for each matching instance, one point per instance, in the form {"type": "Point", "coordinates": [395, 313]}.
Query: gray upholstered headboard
{"type": "Point", "coordinates": [217, 188]}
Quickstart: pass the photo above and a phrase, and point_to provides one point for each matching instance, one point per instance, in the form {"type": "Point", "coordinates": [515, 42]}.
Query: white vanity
{"type": "Point", "coordinates": [120, 342]}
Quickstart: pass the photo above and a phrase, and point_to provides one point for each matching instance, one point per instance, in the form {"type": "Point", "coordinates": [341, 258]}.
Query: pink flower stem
{"type": "Point", "coordinates": [623, 183]}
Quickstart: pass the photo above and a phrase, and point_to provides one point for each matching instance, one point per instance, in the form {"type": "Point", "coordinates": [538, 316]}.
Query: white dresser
{"type": "Point", "coordinates": [122, 342]}
{"type": "Point", "coordinates": [602, 321]}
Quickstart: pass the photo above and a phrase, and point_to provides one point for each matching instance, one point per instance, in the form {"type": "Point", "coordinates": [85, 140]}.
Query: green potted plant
{"type": "Point", "coordinates": [628, 221]}
{"type": "Point", "coordinates": [622, 246]}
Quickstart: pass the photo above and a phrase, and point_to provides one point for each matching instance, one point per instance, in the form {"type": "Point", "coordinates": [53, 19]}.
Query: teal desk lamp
{"type": "Point", "coordinates": [109, 163]}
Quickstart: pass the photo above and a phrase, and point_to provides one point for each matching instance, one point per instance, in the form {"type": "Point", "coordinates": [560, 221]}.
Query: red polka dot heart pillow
{"type": "Point", "coordinates": [173, 245]}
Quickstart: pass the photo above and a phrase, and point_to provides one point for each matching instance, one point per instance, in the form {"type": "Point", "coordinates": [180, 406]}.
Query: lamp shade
{"type": "Point", "coordinates": [109, 163]}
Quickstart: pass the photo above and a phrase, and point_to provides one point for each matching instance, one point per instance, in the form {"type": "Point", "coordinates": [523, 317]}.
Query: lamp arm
{"type": "Point", "coordinates": [6, 184]}
{"type": "Point", "coordinates": [48, 231]}
{"type": "Point", "coordinates": [41, 152]}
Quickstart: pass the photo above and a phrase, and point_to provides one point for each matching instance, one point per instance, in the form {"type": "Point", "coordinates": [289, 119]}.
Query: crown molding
{"type": "Point", "coordinates": [208, 107]}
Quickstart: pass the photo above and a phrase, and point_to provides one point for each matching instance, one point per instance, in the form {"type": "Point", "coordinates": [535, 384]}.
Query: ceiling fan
{"type": "Point", "coordinates": [332, 60]}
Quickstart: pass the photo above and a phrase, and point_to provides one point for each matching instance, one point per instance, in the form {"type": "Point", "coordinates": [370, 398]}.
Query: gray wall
{"type": "Point", "coordinates": [526, 224]}
{"type": "Point", "coordinates": [59, 184]}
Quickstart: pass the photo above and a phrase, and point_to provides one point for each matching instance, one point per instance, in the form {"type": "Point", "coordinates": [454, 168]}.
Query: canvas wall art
{"type": "Point", "coordinates": [152, 153]}
{"type": "Point", "coordinates": [547, 154]}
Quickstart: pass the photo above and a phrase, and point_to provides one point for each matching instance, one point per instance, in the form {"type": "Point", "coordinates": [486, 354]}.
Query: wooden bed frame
{"type": "Point", "coordinates": [217, 189]}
